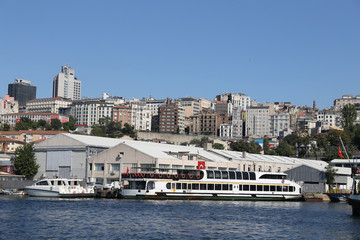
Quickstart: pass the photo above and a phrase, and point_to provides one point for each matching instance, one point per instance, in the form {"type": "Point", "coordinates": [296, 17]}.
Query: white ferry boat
{"type": "Point", "coordinates": [210, 184]}
{"type": "Point", "coordinates": [59, 187]}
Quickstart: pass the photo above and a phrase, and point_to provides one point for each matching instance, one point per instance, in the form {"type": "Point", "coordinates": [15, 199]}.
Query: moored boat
{"type": "Point", "coordinates": [59, 187]}
{"type": "Point", "coordinates": [354, 198]}
{"type": "Point", "coordinates": [210, 184]}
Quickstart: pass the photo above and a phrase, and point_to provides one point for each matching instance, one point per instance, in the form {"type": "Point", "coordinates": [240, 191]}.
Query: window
{"type": "Point", "coordinates": [217, 186]}
{"type": "Point", "coordinates": [210, 174]}
{"type": "Point", "coordinates": [238, 175]}
{"type": "Point", "coordinates": [202, 186]}
{"type": "Point", "coordinates": [259, 188]}
{"type": "Point", "coordinates": [195, 186]}
{"type": "Point", "coordinates": [246, 187]}
{"type": "Point", "coordinates": [99, 167]}
{"type": "Point", "coordinates": [42, 183]}
{"type": "Point", "coordinates": [217, 174]}
{"type": "Point", "coordinates": [266, 188]}
{"type": "Point", "coordinates": [252, 176]}
{"type": "Point", "coordinates": [231, 174]}
{"type": "Point", "coordinates": [252, 187]}
{"type": "Point", "coordinates": [189, 186]}
{"type": "Point", "coordinates": [225, 187]}
{"type": "Point", "coordinates": [184, 185]}
{"type": "Point", "coordinates": [210, 186]}
{"type": "Point", "coordinates": [272, 188]}
{"type": "Point", "coordinates": [245, 175]}
{"type": "Point", "coordinates": [178, 185]}
{"type": "Point", "coordinates": [225, 175]}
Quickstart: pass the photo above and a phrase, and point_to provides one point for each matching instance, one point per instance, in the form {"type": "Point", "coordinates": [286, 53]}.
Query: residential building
{"type": "Point", "coordinates": [122, 114]}
{"type": "Point", "coordinates": [346, 99]}
{"type": "Point", "coordinates": [226, 131]}
{"type": "Point", "coordinates": [257, 121]}
{"type": "Point", "coordinates": [9, 145]}
{"type": "Point", "coordinates": [279, 122]}
{"type": "Point", "coordinates": [205, 103]}
{"type": "Point", "coordinates": [238, 121]}
{"type": "Point", "coordinates": [66, 85]}
{"type": "Point", "coordinates": [154, 105]}
{"type": "Point", "coordinates": [238, 100]}
{"type": "Point", "coordinates": [22, 91]}
{"type": "Point", "coordinates": [29, 136]}
{"type": "Point", "coordinates": [207, 122]}
{"type": "Point", "coordinates": [171, 118]}
{"type": "Point", "coordinates": [48, 105]}
{"type": "Point", "coordinates": [13, 118]}
{"type": "Point", "coordinates": [332, 118]}
{"type": "Point", "coordinates": [8, 105]}
{"type": "Point", "coordinates": [191, 106]}
{"type": "Point", "coordinates": [141, 117]}
{"type": "Point", "coordinates": [223, 107]}
{"type": "Point", "coordinates": [89, 111]}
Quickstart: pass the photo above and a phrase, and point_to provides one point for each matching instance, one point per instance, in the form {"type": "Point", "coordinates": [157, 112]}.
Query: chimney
{"type": "Point", "coordinates": [207, 146]}
{"type": "Point", "coordinates": [244, 154]}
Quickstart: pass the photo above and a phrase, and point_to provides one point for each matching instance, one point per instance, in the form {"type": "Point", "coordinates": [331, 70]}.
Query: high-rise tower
{"type": "Point", "coordinates": [22, 91]}
{"type": "Point", "coordinates": [66, 85]}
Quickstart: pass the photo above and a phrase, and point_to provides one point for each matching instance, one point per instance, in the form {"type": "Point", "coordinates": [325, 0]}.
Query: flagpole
{"type": "Point", "coordinates": [344, 148]}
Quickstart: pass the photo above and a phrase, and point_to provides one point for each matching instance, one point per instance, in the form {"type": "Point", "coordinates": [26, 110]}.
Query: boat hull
{"type": "Point", "coordinates": [41, 193]}
{"type": "Point", "coordinates": [354, 201]}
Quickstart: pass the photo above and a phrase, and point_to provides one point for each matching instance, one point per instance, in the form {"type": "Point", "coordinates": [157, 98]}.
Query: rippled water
{"type": "Point", "coordinates": [45, 218]}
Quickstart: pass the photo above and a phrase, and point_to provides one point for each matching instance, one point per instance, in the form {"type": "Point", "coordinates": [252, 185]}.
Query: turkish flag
{"type": "Point", "coordinates": [201, 165]}
{"type": "Point", "coordinates": [127, 170]}
{"type": "Point", "coordinates": [339, 153]}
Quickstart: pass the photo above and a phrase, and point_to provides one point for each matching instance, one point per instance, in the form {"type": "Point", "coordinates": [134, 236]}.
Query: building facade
{"type": "Point", "coordinates": [66, 85]}
{"type": "Point", "coordinates": [207, 122]}
{"type": "Point", "coordinates": [346, 99]}
{"type": "Point", "coordinates": [13, 118]}
{"type": "Point", "coordinates": [8, 105]}
{"type": "Point", "coordinates": [279, 122]}
{"type": "Point", "coordinates": [191, 106]}
{"type": "Point", "coordinates": [22, 91]}
{"type": "Point", "coordinates": [48, 105]}
{"type": "Point", "coordinates": [257, 121]}
{"type": "Point", "coordinates": [171, 118]}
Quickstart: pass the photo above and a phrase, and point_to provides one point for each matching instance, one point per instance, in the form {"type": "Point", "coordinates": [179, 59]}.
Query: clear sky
{"type": "Point", "coordinates": [296, 51]}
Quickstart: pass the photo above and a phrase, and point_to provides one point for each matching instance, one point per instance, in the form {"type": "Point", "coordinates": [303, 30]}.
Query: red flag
{"type": "Point", "coordinates": [127, 170]}
{"type": "Point", "coordinates": [201, 165]}
{"type": "Point", "coordinates": [339, 153]}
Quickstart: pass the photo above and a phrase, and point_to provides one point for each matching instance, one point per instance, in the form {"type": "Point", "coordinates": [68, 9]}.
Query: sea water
{"type": "Point", "coordinates": [52, 218]}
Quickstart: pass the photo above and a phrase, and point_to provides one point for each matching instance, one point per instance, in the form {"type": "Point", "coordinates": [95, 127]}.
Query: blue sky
{"type": "Point", "coordinates": [296, 51]}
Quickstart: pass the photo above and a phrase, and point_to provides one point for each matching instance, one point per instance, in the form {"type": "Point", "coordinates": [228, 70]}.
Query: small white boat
{"type": "Point", "coordinates": [59, 187]}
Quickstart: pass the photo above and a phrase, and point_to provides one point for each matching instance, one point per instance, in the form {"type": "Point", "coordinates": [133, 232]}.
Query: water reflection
{"type": "Point", "coordinates": [123, 219]}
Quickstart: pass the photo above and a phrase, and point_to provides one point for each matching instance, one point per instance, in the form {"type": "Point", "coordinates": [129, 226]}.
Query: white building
{"type": "Point", "coordinates": [154, 105]}
{"type": "Point", "coordinates": [49, 105]}
{"type": "Point", "coordinates": [226, 131]}
{"type": "Point", "coordinates": [140, 116]}
{"type": "Point", "coordinates": [257, 121]}
{"type": "Point", "coordinates": [238, 100]}
{"type": "Point", "coordinates": [331, 118]}
{"type": "Point", "coordinates": [66, 85]}
{"type": "Point", "coordinates": [89, 111]}
{"type": "Point", "coordinates": [279, 123]}
{"type": "Point", "coordinates": [8, 105]}
{"type": "Point", "coordinates": [237, 123]}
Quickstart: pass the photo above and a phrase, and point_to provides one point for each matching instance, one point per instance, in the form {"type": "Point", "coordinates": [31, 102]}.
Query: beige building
{"type": "Point", "coordinates": [9, 144]}
{"type": "Point", "coordinates": [207, 122]}
{"type": "Point", "coordinates": [47, 105]}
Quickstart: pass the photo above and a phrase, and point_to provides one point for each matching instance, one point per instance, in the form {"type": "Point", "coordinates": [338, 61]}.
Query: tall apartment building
{"type": "Point", "coordinates": [154, 105]}
{"type": "Point", "coordinates": [89, 111]}
{"type": "Point", "coordinates": [50, 105]}
{"type": "Point", "coordinates": [171, 118]}
{"type": "Point", "coordinates": [66, 85]}
{"type": "Point", "coordinates": [346, 99]}
{"type": "Point", "coordinates": [136, 114]}
{"type": "Point", "coordinates": [22, 91]}
{"type": "Point", "coordinates": [238, 123]}
{"type": "Point", "coordinates": [8, 105]}
{"type": "Point", "coordinates": [191, 106]}
{"type": "Point", "coordinates": [257, 121]}
{"type": "Point", "coordinates": [279, 123]}
{"type": "Point", "coordinates": [207, 122]}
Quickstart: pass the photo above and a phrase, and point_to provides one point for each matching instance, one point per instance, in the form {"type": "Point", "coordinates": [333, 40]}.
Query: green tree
{"type": "Point", "coordinates": [285, 149]}
{"type": "Point", "coordinates": [240, 146]}
{"type": "Point", "coordinates": [25, 161]}
{"type": "Point", "coordinates": [5, 127]}
{"type": "Point", "coordinates": [330, 175]}
{"type": "Point", "coordinates": [266, 146]}
{"type": "Point", "coordinates": [218, 146]}
{"type": "Point", "coordinates": [42, 123]}
{"type": "Point", "coordinates": [24, 124]}
{"type": "Point", "coordinates": [349, 115]}
{"type": "Point", "coordinates": [55, 124]}
{"type": "Point", "coordinates": [254, 147]}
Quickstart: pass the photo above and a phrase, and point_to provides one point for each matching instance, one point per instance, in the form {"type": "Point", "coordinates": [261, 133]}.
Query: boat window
{"type": "Point", "coordinates": [285, 189]}
{"type": "Point", "coordinates": [173, 186]}
{"type": "Point", "coordinates": [210, 186]}
{"type": "Point", "coordinates": [59, 183]}
{"type": "Point", "coordinates": [272, 188]}
{"type": "Point", "coordinates": [266, 188]}
{"type": "Point", "coordinates": [42, 183]}
{"type": "Point", "coordinates": [151, 185]}
{"type": "Point", "coordinates": [273, 176]}
{"type": "Point", "coordinates": [217, 174]}
{"type": "Point", "coordinates": [291, 189]}
{"type": "Point", "coordinates": [217, 186]}
{"type": "Point", "coordinates": [210, 174]}
{"type": "Point", "coordinates": [259, 188]}
{"type": "Point", "coordinates": [140, 185]}
{"type": "Point", "coordinates": [184, 185]}
{"type": "Point", "coordinates": [189, 186]}
{"type": "Point", "coordinates": [230, 187]}
{"type": "Point", "coordinates": [246, 187]}
{"type": "Point", "coordinates": [195, 186]}
{"type": "Point", "coordinates": [178, 185]}
{"type": "Point", "coordinates": [52, 182]}
{"type": "Point", "coordinates": [252, 187]}
{"type": "Point", "coordinates": [202, 186]}
{"type": "Point", "coordinates": [240, 187]}
{"type": "Point", "coordinates": [238, 175]}
{"type": "Point", "coordinates": [168, 185]}
{"type": "Point", "coordinates": [252, 176]}
{"type": "Point", "coordinates": [225, 187]}
{"type": "Point", "coordinates": [245, 175]}
{"type": "Point", "coordinates": [224, 174]}
{"type": "Point", "coordinates": [231, 174]}
{"type": "Point", "coordinates": [278, 188]}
